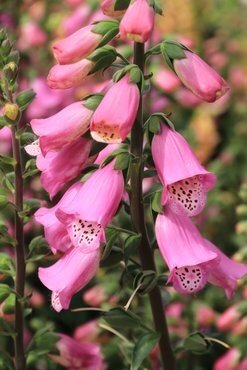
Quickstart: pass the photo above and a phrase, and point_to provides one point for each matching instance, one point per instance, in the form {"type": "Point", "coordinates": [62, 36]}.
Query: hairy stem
{"type": "Point", "coordinates": [20, 361]}
{"type": "Point", "coordinates": [138, 221]}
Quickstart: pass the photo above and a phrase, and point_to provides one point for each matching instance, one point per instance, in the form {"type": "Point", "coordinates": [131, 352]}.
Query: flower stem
{"type": "Point", "coordinates": [20, 362]}
{"type": "Point", "coordinates": [138, 221]}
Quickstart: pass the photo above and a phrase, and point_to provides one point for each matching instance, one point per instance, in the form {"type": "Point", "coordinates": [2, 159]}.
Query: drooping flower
{"type": "Point", "coordinates": [76, 46]}
{"type": "Point", "coordinates": [184, 179]}
{"type": "Point", "coordinates": [57, 168]}
{"type": "Point", "coordinates": [78, 356]}
{"type": "Point", "coordinates": [55, 231]}
{"type": "Point", "coordinates": [69, 75]}
{"type": "Point", "coordinates": [227, 272]}
{"type": "Point", "coordinates": [199, 77]}
{"type": "Point", "coordinates": [186, 253]}
{"type": "Point", "coordinates": [115, 115]}
{"type": "Point", "coordinates": [69, 275]}
{"type": "Point", "coordinates": [98, 202]}
{"type": "Point", "coordinates": [138, 22]}
{"type": "Point", "coordinates": [87, 332]}
{"type": "Point", "coordinates": [62, 128]}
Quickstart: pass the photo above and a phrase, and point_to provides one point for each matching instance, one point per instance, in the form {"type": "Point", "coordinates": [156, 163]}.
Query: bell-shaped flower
{"type": "Point", "coordinates": [199, 77]}
{"type": "Point", "coordinates": [98, 202]}
{"type": "Point", "coordinates": [138, 22]}
{"type": "Point", "coordinates": [78, 356]}
{"type": "Point", "coordinates": [69, 75]}
{"type": "Point", "coordinates": [69, 275]}
{"type": "Point", "coordinates": [229, 360]}
{"type": "Point", "coordinates": [62, 128]}
{"type": "Point", "coordinates": [76, 46]}
{"type": "Point", "coordinates": [55, 231]}
{"type": "Point", "coordinates": [184, 179]}
{"type": "Point", "coordinates": [60, 167]}
{"type": "Point", "coordinates": [115, 115]}
{"type": "Point", "coordinates": [227, 272]}
{"type": "Point", "coordinates": [186, 253]}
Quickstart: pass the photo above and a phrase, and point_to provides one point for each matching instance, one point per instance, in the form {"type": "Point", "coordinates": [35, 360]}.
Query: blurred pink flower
{"type": "Point", "coordinates": [47, 101]}
{"type": "Point", "coordinates": [115, 115]}
{"type": "Point", "coordinates": [204, 315]}
{"type": "Point", "coordinates": [166, 80]}
{"type": "Point", "coordinates": [184, 179]}
{"type": "Point", "coordinates": [5, 140]}
{"type": "Point", "coordinates": [95, 296]}
{"type": "Point", "coordinates": [228, 318]}
{"type": "Point", "coordinates": [87, 332]}
{"type": "Point", "coordinates": [186, 98]}
{"type": "Point", "coordinates": [199, 77]}
{"type": "Point", "coordinates": [32, 35]}
{"type": "Point", "coordinates": [229, 361]}
{"type": "Point", "coordinates": [78, 356]}
{"type": "Point", "coordinates": [107, 7]}
{"type": "Point", "coordinates": [76, 20]}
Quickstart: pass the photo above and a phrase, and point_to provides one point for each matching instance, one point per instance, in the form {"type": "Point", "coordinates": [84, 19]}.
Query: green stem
{"type": "Point", "coordinates": [138, 221]}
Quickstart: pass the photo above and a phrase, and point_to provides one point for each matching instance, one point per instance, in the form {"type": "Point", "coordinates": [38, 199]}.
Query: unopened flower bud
{"type": "Point", "coordinates": [6, 47]}
{"type": "Point", "coordinates": [11, 111]}
{"type": "Point", "coordinates": [10, 71]}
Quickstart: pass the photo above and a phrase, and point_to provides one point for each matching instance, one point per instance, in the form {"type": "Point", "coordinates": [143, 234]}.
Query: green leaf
{"type": "Point", "coordinates": [102, 58]}
{"type": "Point", "coordinates": [4, 292]}
{"type": "Point", "coordinates": [122, 161]}
{"type": "Point", "coordinates": [130, 246]}
{"type": "Point", "coordinates": [174, 49]}
{"type": "Point", "coordinates": [154, 124]}
{"type": "Point", "coordinates": [7, 160]}
{"type": "Point", "coordinates": [142, 348]}
{"type": "Point", "coordinates": [3, 201]}
{"type": "Point", "coordinates": [121, 4]}
{"type": "Point", "coordinates": [111, 238]}
{"type": "Point", "coordinates": [196, 343]}
{"type": "Point", "coordinates": [156, 202]}
{"type": "Point", "coordinates": [113, 258]}
{"type": "Point", "coordinates": [6, 264]}
{"type": "Point", "coordinates": [39, 246]}
{"type": "Point", "coordinates": [25, 98]}
{"type": "Point", "coordinates": [8, 182]}
{"type": "Point", "coordinates": [9, 304]}
{"type": "Point", "coordinates": [118, 318]}
{"type": "Point", "coordinates": [92, 101]}
{"type": "Point", "coordinates": [3, 122]}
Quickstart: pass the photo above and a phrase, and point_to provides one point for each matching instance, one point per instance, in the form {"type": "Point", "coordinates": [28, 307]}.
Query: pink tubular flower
{"type": "Point", "coordinates": [98, 202]}
{"type": "Point", "coordinates": [115, 115]}
{"type": "Point", "coordinates": [60, 167]}
{"type": "Point", "coordinates": [55, 232]}
{"type": "Point", "coordinates": [78, 356]}
{"type": "Point", "coordinates": [185, 180]}
{"type": "Point", "coordinates": [69, 275]}
{"type": "Point", "coordinates": [227, 272]}
{"type": "Point", "coordinates": [76, 46]}
{"type": "Point", "coordinates": [138, 21]}
{"type": "Point", "coordinates": [199, 77]}
{"type": "Point", "coordinates": [62, 128]}
{"type": "Point", "coordinates": [69, 75]}
{"type": "Point", "coordinates": [185, 252]}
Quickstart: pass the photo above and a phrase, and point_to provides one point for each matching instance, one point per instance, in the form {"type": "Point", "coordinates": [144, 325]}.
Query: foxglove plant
{"type": "Point", "coordinates": [87, 184]}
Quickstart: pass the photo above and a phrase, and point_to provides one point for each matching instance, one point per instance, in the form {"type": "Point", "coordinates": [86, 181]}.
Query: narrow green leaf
{"type": "Point", "coordinates": [130, 246]}
{"type": "Point", "coordinates": [120, 319]}
{"type": "Point", "coordinates": [122, 161]}
{"type": "Point", "coordinates": [142, 348]}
